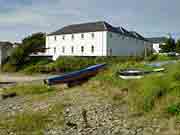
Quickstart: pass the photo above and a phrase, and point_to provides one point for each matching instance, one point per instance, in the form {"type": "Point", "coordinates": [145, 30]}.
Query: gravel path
{"type": "Point", "coordinates": [16, 77]}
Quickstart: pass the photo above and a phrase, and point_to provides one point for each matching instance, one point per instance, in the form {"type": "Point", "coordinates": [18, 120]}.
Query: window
{"type": "Point", "coordinates": [55, 38]}
{"type": "Point", "coordinates": [63, 49]}
{"type": "Point", "coordinates": [72, 49]}
{"type": "Point", "coordinates": [63, 37]}
{"type": "Point", "coordinates": [82, 49]}
{"type": "Point", "coordinates": [54, 50]}
{"type": "Point", "coordinates": [92, 49]}
{"type": "Point", "coordinates": [92, 35]}
{"type": "Point", "coordinates": [82, 35]}
{"type": "Point", "coordinates": [72, 37]}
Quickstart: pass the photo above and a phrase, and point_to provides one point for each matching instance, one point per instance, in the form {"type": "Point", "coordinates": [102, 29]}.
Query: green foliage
{"type": "Point", "coordinates": [174, 109]}
{"type": "Point", "coordinates": [153, 57]}
{"type": "Point", "coordinates": [34, 122]}
{"type": "Point", "coordinates": [154, 89]}
{"type": "Point", "coordinates": [165, 58]}
{"type": "Point", "coordinates": [178, 46]}
{"type": "Point", "coordinates": [32, 44]}
{"type": "Point", "coordinates": [151, 89]}
{"type": "Point", "coordinates": [170, 45]}
{"type": "Point", "coordinates": [9, 68]}
{"type": "Point", "coordinates": [68, 64]}
{"type": "Point", "coordinates": [26, 122]}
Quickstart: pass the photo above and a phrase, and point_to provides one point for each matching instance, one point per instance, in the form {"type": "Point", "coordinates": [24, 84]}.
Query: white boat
{"type": "Point", "coordinates": [159, 70]}
{"type": "Point", "coordinates": [136, 74]}
{"type": "Point", "coordinates": [131, 74]}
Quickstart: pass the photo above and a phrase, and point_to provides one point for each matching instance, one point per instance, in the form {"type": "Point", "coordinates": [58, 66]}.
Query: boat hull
{"type": "Point", "coordinates": [76, 76]}
{"type": "Point", "coordinates": [130, 77]}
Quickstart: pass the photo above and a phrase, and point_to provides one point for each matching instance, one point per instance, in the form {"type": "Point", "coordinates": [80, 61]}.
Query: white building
{"type": "Point", "coordinates": [96, 39]}
{"type": "Point", "coordinates": [157, 41]}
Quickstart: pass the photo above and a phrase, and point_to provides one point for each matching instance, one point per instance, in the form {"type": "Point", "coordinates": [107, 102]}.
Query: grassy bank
{"type": "Point", "coordinates": [155, 94]}
{"type": "Point", "coordinates": [30, 122]}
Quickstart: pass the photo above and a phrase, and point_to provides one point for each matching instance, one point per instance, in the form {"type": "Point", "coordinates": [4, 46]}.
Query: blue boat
{"type": "Point", "coordinates": [76, 76]}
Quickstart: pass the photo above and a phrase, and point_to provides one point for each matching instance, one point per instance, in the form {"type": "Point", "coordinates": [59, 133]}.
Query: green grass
{"type": "Point", "coordinates": [154, 91]}
{"type": "Point", "coordinates": [33, 122]}
{"type": "Point", "coordinates": [29, 89]}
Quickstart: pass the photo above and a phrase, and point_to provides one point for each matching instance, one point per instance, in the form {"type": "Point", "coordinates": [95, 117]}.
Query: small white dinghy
{"type": "Point", "coordinates": [159, 70]}
{"type": "Point", "coordinates": [131, 74]}
{"type": "Point", "coordinates": [136, 73]}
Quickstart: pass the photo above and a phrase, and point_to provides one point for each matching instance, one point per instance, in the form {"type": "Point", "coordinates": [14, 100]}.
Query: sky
{"type": "Point", "coordinates": [20, 18]}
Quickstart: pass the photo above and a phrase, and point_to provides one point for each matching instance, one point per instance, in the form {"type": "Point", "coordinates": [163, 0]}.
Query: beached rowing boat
{"type": "Point", "coordinates": [76, 76]}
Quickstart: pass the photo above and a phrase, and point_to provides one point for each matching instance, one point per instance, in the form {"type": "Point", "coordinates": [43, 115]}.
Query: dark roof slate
{"type": "Point", "coordinates": [81, 28]}
{"type": "Point", "coordinates": [94, 27]}
{"type": "Point", "coordinates": [5, 44]}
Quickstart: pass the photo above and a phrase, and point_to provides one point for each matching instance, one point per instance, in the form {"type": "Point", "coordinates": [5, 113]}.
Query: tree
{"type": "Point", "coordinates": [169, 46]}
{"type": "Point", "coordinates": [31, 44]}
{"type": "Point", "coordinates": [178, 46]}
{"type": "Point", "coordinates": [35, 42]}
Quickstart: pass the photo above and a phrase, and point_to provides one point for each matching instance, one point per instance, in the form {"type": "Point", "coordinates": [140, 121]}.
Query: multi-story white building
{"type": "Point", "coordinates": [96, 39]}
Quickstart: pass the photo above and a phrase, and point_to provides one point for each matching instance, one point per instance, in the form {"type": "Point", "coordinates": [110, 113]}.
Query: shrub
{"type": "Point", "coordinates": [9, 68]}
{"type": "Point", "coordinates": [174, 109]}
{"type": "Point", "coordinates": [153, 57]}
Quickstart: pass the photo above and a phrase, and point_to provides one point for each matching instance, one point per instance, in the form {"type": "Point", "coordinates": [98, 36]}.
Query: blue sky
{"type": "Point", "coordinates": [19, 18]}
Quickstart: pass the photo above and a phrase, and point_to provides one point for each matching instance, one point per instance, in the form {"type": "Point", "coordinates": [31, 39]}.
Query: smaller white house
{"type": "Point", "coordinates": [96, 39]}
{"type": "Point", "coordinates": [5, 50]}
{"type": "Point", "coordinates": [157, 41]}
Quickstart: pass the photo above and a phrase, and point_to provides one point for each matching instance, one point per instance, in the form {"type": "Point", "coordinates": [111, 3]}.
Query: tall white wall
{"type": "Point", "coordinates": [119, 45]}
{"type": "Point", "coordinates": [105, 44]}
{"type": "Point", "coordinates": [57, 43]}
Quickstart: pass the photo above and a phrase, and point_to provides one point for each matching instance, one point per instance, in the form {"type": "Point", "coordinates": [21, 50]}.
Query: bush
{"type": "Point", "coordinates": [153, 57]}
{"type": "Point", "coordinates": [174, 109]}
{"type": "Point", "coordinates": [9, 68]}
{"type": "Point", "coordinates": [69, 64]}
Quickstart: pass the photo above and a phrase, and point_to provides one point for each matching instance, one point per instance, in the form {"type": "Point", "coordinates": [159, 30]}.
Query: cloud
{"type": "Point", "coordinates": [19, 18]}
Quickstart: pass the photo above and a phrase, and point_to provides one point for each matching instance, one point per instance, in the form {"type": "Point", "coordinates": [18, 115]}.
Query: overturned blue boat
{"type": "Point", "coordinates": [77, 76]}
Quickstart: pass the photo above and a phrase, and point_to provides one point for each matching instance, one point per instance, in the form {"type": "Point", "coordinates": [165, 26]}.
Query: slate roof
{"type": "Point", "coordinates": [5, 44]}
{"type": "Point", "coordinates": [157, 39]}
{"type": "Point", "coordinates": [95, 27]}
{"type": "Point", "coordinates": [137, 35]}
